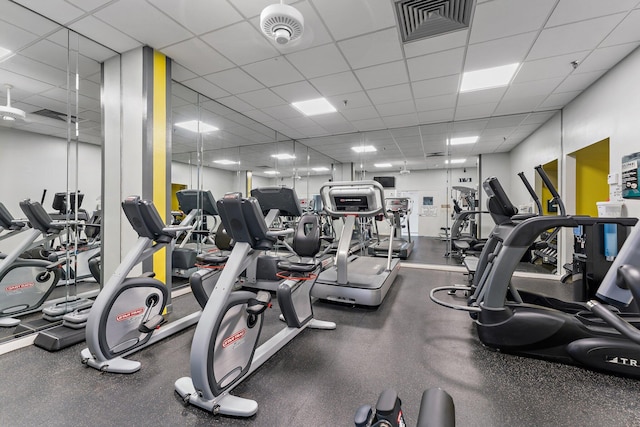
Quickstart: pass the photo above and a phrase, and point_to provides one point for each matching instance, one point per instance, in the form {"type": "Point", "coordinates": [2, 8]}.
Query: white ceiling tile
{"type": "Point", "coordinates": [89, 5]}
{"type": "Point", "coordinates": [23, 86]}
{"type": "Point", "coordinates": [568, 11]}
{"type": "Point", "coordinates": [436, 103]}
{"type": "Point", "coordinates": [354, 100]}
{"type": "Point", "coordinates": [241, 43]}
{"type": "Point", "coordinates": [200, 16]}
{"type": "Point", "coordinates": [475, 111]}
{"type": "Point", "coordinates": [252, 8]}
{"type": "Point", "coordinates": [336, 84]}
{"type": "Point", "coordinates": [14, 38]}
{"type": "Point", "coordinates": [575, 37]}
{"type": "Point", "coordinates": [580, 81]}
{"type": "Point", "coordinates": [503, 51]}
{"type": "Point", "coordinates": [368, 124]}
{"type": "Point", "coordinates": [294, 92]}
{"type": "Point", "coordinates": [605, 58]}
{"type": "Point", "coordinates": [94, 51]}
{"type": "Point", "coordinates": [559, 100]}
{"type": "Point", "coordinates": [205, 87]}
{"type": "Point", "coordinates": [105, 34]}
{"type": "Point", "coordinates": [436, 44]}
{"type": "Point", "coordinates": [234, 80]}
{"type": "Point", "coordinates": [538, 118]}
{"type": "Point", "coordinates": [436, 64]}
{"type": "Point", "coordinates": [625, 32]}
{"type": "Point", "coordinates": [57, 10]}
{"type": "Point", "coordinates": [372, 15]}
{"type": "Point", "coordinates": [401, 120]}
{"type": "Point", "coordinates": [318, 61]}
{"type": "Point", "coordinates": [481, 96]}
{"type": "Point", "coordinates": [262, 98]}
{"type": "Point", "coordinates": [180, 73]}
{"type": "Point", "coordinates": [390, 94]}
{"type": "Point", "coordinates": [436, 116]}
{"type": "Point", "coordinates": [282, 112]}
{"type": "Point", "coordinates": [501, 18]}
{"type": "Point", "coordinates": [334, 123]}
{"type": "Point", "coordinates": [235, 103]}
{"type": "Point", "coordinates": [49, 53]}
{"type": "Point", "coordinates": [438, 86]}
{"type": "Point", "coordinates": [298, 122]}
{"type": "Point", "coordinates": [389, 74]}
{"type": "Point", "coordinates": [372, 49]}
{"type": "Point", "coordinates": [360, 113]}
{"type": "Point", "coordinates": [556, 66]}
{"type": "Point", "coordinates": [519, 105]}
{"type": "Point", "coordinates": [26, 19]}
{"type": "Point", "coordinates": [258, 115]}
{"type": "Point", "coordinates": [197, 56]}
{"type": "Point", "coordinates": [533, 88]}
{"type": "Point", "coordinates": [505, 121]}
{"type": "Point", "coordinates": [143, 22]}
{"type": "Point", "coordinates": [35, 70]}
{"type": "Point", "coordinates": [396, 108]}
{"type": "Point", "coordinates": [273, 72]}
{"type": "Point", "coordinates": [311, 131]}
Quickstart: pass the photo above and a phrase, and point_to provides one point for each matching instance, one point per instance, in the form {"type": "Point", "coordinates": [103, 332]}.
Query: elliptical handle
{"type": "Point", "coordinates": [552, 189]}
{"type": "Point", "coordinates": [533, 194]}
{"type": "Point", "coordinates": [615, 321]}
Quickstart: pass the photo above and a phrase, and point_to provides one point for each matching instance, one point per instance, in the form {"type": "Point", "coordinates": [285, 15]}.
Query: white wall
{"type": "Point", "coordinates": [218, 181]}
{"type": "Point", "coordinates": [31, 162]}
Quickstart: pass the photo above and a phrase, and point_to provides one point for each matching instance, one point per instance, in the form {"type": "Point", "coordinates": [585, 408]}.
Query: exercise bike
{"type": "Point", "coordinates": [127, 314]}
{"type": "Point", "coordinates": [225, 345]}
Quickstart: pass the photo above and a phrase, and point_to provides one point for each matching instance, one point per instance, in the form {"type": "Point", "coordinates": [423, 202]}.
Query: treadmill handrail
{"type": "Point", "coordinates": [533, 194]}
{"type": "Point", "coordinates": [355, 184]}
{"type": "Point", "coordinates": [552, 189]}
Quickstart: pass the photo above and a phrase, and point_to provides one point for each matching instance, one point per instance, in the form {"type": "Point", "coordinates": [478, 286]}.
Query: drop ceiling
{"type": "Point", "coordinates": [400, 97]}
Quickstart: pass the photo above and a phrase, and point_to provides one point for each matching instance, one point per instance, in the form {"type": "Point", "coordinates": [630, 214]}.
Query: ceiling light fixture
{"type": "Point", "coordinates": [455, 161]}
{"type": "Point", "coordinates": [320, 169]}
{"type": "Point", "coordinates": [463, 140]}
{"type": "Point", "coordinates": [271, 172]}
{"type": "Point", "coordinates": [7, 112]}
{"type": "Point", "coordinates": [5, 53]}
{"type": "Point", "coordinates": [382, 165]}
{"type": "Point", "coordinates": [314, 107]}
{"type": "Point", "coordinates": [283, 156]}
{"type": "Point", "coordinates": [226, 162]}
{"type": "Point", "coordinates": [488, 78]}
{"type": "Point", "coordinates": [364, 149]}
{"type": "Point", "coordinates": [197, 126]}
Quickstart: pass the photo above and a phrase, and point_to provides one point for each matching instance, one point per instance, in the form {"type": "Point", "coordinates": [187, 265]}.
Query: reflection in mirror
{"type": "Point", "coordinates": [54, 76]}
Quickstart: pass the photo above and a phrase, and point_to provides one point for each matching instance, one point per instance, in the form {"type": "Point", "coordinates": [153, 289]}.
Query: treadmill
{"type": "Point", "coordinates": [399, 208]}
{"type": "Point", "coordinates": [355, 279]}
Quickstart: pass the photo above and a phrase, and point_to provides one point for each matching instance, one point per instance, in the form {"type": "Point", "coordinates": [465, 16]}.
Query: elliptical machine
{"type": "Point", "coordinates": [225, 348]}
{"type": "Point", "coordinates": [127, 314]}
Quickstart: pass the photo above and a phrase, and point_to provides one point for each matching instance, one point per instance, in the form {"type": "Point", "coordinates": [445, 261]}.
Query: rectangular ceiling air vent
{"type": "Point", "coordinates": [419, 19]}
{"type": "Point", "coordinates": [54, 115]}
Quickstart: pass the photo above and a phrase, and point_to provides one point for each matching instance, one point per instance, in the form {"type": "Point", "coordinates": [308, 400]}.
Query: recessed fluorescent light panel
{"type": "Point", "coordinates": [463, 140]}
{"type": "Point", "coordinates": [4, 53]}
{"type": "Point", "coordinates": [197, 126]}
{"type": "Point", "coordinates": [226, 162]}
{"type": "Point", "coordinates": [283, 156]}
{"type": "Point", "coordinates": [488, 78]}
{"type": "Point", "coordinates": [314, 107]}
{"type": "Point", "coordinates": [320, 169]}
{"type": "Point", "coordinates": [455, 161]}
{"type": "Point", "coordinates": [271, 172]}
{"type": "Point", "coordinates": [364, 149]}
{"type": "Point", "coordinates": [382, 165]}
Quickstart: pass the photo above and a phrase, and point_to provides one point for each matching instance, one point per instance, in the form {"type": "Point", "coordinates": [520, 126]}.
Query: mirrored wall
{"type": "Point", "coordinates": [50, 154]}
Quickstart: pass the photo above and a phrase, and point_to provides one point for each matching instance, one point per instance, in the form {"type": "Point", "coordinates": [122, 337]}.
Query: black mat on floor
{"type": "Point", "coordinates": [322, 377]}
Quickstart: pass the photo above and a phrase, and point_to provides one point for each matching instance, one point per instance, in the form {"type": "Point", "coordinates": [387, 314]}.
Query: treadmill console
{"type": "Point", "coordinates": [353, 199]}
{"type": "Point", "coordinates": [397, 204]}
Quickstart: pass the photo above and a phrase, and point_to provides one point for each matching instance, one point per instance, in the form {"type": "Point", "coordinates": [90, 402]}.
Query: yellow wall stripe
{"type": "Point", "coordinates": [160, 152]}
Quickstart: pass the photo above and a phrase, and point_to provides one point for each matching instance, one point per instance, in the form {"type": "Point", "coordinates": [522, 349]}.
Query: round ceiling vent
{"type": "Point", "coordinates": [282, 23]}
